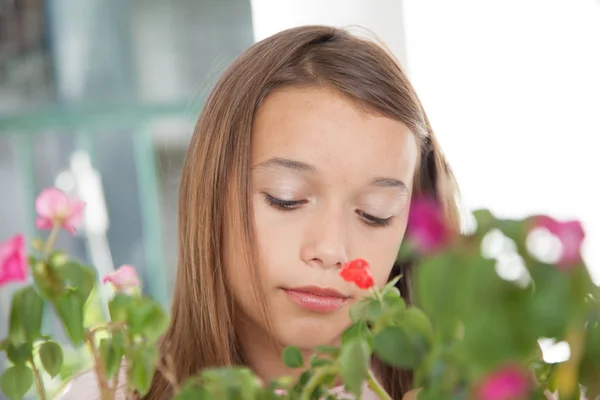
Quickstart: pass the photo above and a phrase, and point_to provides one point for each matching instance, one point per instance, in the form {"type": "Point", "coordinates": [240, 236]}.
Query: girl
{"type": "Point", "coordinates": [305, 156]}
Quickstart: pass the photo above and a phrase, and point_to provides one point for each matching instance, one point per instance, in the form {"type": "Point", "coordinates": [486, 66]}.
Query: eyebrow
{"type": "Point", "coordinates": [299, 166]}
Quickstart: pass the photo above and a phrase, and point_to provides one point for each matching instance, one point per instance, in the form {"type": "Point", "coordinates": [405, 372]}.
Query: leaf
{"type": "Point", "coordinates": [416, 319]}
{"type": "Point", "coordinates": [118, 307]}
{"type": "Point", "coordinates": [81, 279]}
{"type": "Point", "coordinates": [367, 309]}
{"type": "Point", "coordinates": [354, 364]}
{"type": "Point", "coordinates": [32, 310]}
{"type": "Point", "coordinates": [111, 352]}
{"type": "Point", "coordinates": [16, 381]}
{"type": "Point", "coordinates": [19, 354]}
{"type": "Point", "coordinates": [355, 331]}
{"type": "Point", "coordinates": [52, 357]}
{"type": "Point", "coordinates": [233, 383]}
{"type": "Point", "coordinates": [397, 345]}
{"type": "Point", "coordinates": [485, 221]}
{"type": "Point", "coordinates": [315, 361]}
{"type": "Point", "coordinates": [190, 392]}
{"type": "Point", "coordinates": [292, 357]}
{"type": "Point", "coordinates": [141, 368]}
{"type": "Point", "coordinates": [69, 308]}
{"type": "Point", "coordinates": [146, 317]}
{"type": "Point", "coordinates": [439, 288]}
{"type": "Point", "coordinates": [16, 329]}
{"type": "Point", "coordinates": [329, 350]}
{"type": "Point", "coordinates": [549, 306]}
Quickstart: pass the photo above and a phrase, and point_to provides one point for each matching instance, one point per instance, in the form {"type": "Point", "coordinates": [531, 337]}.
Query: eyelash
{"type": "Point", "coordinates": [291, 205]}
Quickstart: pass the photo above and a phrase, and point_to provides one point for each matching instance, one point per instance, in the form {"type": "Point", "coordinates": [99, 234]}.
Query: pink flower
{"type": "Point", "coordinates": [123, 279]}
{"type": "Point", "coordinates": [358, 271]}
{"type": "Point", "coordinates": [508, 383]}
{"type": "Point", "coordinates": [13, 260]}
{"type": "Point", "coordinates": [570, 234]}
{"type": "Point", "coordinates": [55, 207]}
{"type": "Point", "coordinates": [427, 229]}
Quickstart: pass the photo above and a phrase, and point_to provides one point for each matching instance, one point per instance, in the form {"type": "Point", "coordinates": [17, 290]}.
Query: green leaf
{"type": "Point", "coordinates": [16, 329]}
{"type": "Point", "coordinates": [367, 309]}
{"type": "Point", "coordinates": [146, 317]}
{"type": "Point", "coordinates": [399, 346]}
{"type": "Point", "coordinates": [354, 364]}
{"type": "Point", "coordinates": [79, 278]}
{"type": "Point", "coordinates": [118, 307]}
{"type": "Point", "coordinates": [439, 288]}
{"type": "Point", "coordinates": [69, 308]}
{"type": "Point", "coordinates": [52, 357]}
{"type": "Point", "coordinates": [32, 311]}
{"type": "Point", "coordinates": [329, 350]}
{"type": "Point", "coordinates": [292, 357]}
{"type": "Point", "coordinates": [192, 392]}
{"type": "Point", "coordinates": [16, 381]}
{"type": "Point", "coordinates": [19, 354]}
{"type": "Point", "coordinates": [549, 306]}
{"type": "Point", "coordinates": [355, 331]}
{"type": "Point", "coordinates": [315, 361]}
{"type": "Point", "coordinates": [416, 319]}
{"type": "Point", "coordinates": [26, 314]}
{"type": "Point", "coordinates": [141, 368]}
{"type": "Point", "coordinates": [485, 221]}
{"type": "Point", "coordinates": [111, 352]}
{"type": "Point", "coordinates": [233, 383]}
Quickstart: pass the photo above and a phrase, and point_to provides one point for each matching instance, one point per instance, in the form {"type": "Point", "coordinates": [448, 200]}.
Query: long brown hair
{"type": "Point", "coordinates": [201, 333]}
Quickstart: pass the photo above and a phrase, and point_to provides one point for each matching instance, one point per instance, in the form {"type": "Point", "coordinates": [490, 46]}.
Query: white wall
{"type": "Point", "coordinates": [513, 90]}
{"type": "Point", "coordinates": [382, 17]}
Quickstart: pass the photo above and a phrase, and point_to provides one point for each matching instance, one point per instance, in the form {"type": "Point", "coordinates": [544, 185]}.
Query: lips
{"type": "Point", "coordinates": [316, 299]}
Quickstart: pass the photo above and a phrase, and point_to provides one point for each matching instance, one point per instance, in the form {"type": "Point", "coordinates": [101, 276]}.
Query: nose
{"type": "Point", "coordinates": [325, 241]}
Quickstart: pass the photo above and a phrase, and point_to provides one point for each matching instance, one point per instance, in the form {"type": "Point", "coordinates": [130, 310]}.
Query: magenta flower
{"type": "Point", "coordinates": [123, 279]}
{"type": "Point", "coordinates": [508, 383]}
{"type": "Point", "coordinates": [54, 207]}
{"type": "Point", "coordinates": [570, 234]}
{"type": "Point", "coordinates": [427, 229]}
{"type": "Point", "coordinates": [13, 260]}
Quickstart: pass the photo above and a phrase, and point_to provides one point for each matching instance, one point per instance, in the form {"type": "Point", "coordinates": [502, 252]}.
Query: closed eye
{"type": "Point", "coordinates": [284, 205]}
{"type": "Point", "coordinates": [374, 221]}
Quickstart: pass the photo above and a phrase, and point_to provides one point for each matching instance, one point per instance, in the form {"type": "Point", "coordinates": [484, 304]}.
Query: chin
{"type": "Point", "coordinates": [309, 332]}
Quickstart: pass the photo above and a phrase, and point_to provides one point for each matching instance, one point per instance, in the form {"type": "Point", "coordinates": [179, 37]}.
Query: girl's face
{"type": "Point", "coordinates": [330, 183]}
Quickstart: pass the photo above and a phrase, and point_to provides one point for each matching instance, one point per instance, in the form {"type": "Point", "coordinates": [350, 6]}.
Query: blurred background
{"type": "Point", "coordinates": [99, 98]}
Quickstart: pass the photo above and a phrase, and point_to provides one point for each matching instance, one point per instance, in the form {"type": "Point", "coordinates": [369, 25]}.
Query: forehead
{"type": "Point", "coordinates": [320, 127]}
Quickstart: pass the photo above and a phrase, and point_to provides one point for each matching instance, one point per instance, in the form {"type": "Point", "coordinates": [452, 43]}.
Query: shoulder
{"type": "Point", "coordinates": [85, 386]}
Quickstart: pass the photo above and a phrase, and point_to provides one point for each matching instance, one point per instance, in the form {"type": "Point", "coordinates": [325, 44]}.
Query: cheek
{"type": "Point", "coordinates": [278, 236]}
{"type": "Point", "coordinates": [384, 252]}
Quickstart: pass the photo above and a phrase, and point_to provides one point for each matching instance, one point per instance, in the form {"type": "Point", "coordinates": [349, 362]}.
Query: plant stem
{"type": "Point", "coordinates": [51, 239]}
{"type": "Point", "coordinates": [39, 383]}
{"type": "Point", "coordinates": [111, 327]}
{"type": "Point", "coordinates": [377, 294]}
{"type": "Point", "coordinates": [314, 381]}
{"type": "Point", "coordinates": [98, 366]}
{"type": "Point", "coordinates": [375, 386]}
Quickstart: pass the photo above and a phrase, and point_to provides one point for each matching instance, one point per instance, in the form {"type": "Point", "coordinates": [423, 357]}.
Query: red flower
{"type": "Point", "coordinates": [570, 234]}
{"type": "Point", "coordinates": [508, 383]}
{"type": "Point", "coordinates": [13, 260]}
{"type": "Point", "coordinates": [427, 229]}
{"type": "Point", "coordinates": [358, 271]}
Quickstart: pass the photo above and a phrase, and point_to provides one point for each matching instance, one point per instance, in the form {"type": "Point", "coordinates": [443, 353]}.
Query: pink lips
{"type": "Point", "coordinates": [317, 299]}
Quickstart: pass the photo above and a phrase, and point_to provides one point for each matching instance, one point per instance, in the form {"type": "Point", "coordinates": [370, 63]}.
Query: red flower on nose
{"type": "Point", "coordinates": [358, 271]}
